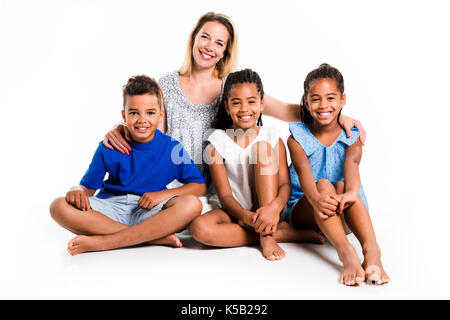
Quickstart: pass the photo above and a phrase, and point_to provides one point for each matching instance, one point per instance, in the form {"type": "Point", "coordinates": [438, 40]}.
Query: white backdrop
{"type": "Point", "coordinates": [63, 63]}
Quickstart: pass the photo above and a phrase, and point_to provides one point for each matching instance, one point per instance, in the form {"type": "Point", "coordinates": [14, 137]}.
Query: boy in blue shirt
{"type": "Point", "coordinates": [133, 205]}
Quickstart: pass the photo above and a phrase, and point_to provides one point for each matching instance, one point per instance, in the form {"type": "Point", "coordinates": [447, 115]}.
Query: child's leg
{"type": "Point", "coordinates": [333, 229]}
{"type": "Point", "coordinates": [176, 215]}
{"type": "Point", "coordinates": [215, 228]}
{"type": "Point", "coordinates": [93, 223]}
{"type": "Point", "coordinates": [82, 222]}
{"type": "Point", "coordinates": [265, 191]}
{"type": "Point", "coordinates": [358, 219]}
{"type": "Point", "coordinates": [265, 186]}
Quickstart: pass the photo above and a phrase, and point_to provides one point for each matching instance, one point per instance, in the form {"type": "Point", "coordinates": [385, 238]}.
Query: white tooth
{"type": "Point", "coordinates": [206, 55]}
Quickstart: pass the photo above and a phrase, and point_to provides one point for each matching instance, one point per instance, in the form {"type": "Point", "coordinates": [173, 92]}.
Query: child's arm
{"type": "Point", "coordinates": [351, 176]}
{"type": "Point", "coordinates": [324, 205]}
{"type": "Point", "coordinates": [223, 189]}
{"type": "Point", "coordinates": [79, 197]}
{"type": "Point", "coordinates": [150, 199]}
{"type": "Point", "coordinates": [268, 216]}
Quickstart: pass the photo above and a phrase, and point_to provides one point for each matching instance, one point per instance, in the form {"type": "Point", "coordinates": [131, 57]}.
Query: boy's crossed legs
{"type": "Point", "coordinates": [98, 232]}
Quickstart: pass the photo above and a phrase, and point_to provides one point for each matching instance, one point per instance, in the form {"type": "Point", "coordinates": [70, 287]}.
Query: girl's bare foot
{"type": "Point", "coordinates": [171, 240]}
{"type": "Point", "coordinates": [374, 271]}
{"type": "Point", "coordinates": [81, 244]}
{"type": "Point", "coordinates": [270, 248]}
{"type": "Point", "coordinates": [352, 272]}
{"type": "Point", "coordinates": [285, 233]}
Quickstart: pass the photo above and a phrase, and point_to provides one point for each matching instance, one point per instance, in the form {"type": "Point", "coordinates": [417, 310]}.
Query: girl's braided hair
{"type": "Point", "coordinates": [222, 120]}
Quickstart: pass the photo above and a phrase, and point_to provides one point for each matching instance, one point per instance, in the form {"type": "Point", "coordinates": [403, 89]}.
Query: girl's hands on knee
{"type": "Point", "coordinates": [248, 220]}
{"type": "Point", "coordinates": [266, 220]}
{"type": "Point", "coordinates": [77, 196]}
{"type": "Point", "coordinates": [115, 138]}
{"type": "Point", "coordinates": [345, 200]}
{"type": "Point", "coordinates": [325, 206]}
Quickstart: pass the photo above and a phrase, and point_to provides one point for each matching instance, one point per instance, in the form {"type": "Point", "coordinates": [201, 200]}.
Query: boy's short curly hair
{"type": "Point", "coordinates": [142, 84]}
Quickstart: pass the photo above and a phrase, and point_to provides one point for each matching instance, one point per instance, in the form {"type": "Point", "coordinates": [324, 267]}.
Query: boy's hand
{"type": "Point", "coordinates": [345, 200]}
{"type": "Point", "coordinates": [150, 199]}
{"type": "Point", "coordinates": [266, 220]}
{"type": "Point", "coordinates": [77, 196]}
{"type": "Point", "coordinates": [325, 206]}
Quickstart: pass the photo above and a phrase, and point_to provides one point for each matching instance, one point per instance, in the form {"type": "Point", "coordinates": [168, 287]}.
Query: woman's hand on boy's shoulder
{"type": "Point", "coordinates": [78, 197]}
{"type": "Point", "coordinates": [114, 138]}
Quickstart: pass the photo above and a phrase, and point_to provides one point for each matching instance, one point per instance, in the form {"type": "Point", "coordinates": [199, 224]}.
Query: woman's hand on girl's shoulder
{"type": "Point", "coordinates": [348, 123]}
{"type": "Point", "coordinates": [115, 138]}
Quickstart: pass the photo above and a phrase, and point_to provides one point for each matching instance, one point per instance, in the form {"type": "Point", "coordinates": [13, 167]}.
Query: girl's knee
{"type": "Point", "coordinates": [262, 153]}
{"type": "Point", "coordinates": [340, 187]}
{"type": "Point", "coordinates": [324, 183]}
{"type": "Point", "coordinates": [264, 158]}
{"type": "Point", "coordinates": [200, 229]}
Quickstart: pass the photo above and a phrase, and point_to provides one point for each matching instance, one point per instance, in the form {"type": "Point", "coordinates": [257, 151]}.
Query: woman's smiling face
{"type": "Point", "coordinates": [210, 44]}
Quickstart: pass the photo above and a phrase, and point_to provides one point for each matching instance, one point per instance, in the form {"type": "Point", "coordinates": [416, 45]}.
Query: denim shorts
{"type": "Point", "coordinates": [124, 208]}
{"type": "Point", "coordinates": [287, 216]}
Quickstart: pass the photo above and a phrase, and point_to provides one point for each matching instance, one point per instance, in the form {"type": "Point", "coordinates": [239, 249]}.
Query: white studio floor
{"type": "Point", "coordinates": [42, 269]}
{"type": "Point", "coordinates": [61, 86]}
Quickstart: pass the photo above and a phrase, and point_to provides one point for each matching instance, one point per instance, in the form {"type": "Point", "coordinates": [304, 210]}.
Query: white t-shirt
{"type": "Point", "coordinates": [238, 163]}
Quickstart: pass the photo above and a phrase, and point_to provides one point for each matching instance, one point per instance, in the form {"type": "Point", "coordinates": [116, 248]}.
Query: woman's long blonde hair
{"type": "Point", "coordinates": [230, 58]}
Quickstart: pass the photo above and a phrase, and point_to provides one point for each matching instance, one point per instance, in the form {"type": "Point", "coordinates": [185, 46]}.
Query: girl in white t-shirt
{"type": "Point", "coordinates": [248, 166]}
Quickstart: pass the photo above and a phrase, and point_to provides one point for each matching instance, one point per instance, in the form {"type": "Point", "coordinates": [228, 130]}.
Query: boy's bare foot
{"type": "Point", "coordinates": [352, 272]}
{"type": "Point", "coordinates": [171, 240]}
{"type": "Point", "coordinates": [81, 244]}
{"type": "Point", "coordinates": [270, 248]}
{"type": "Point", "coordinates": [285, 233]}
{"type": "Point", "coordinates": [374, 270]}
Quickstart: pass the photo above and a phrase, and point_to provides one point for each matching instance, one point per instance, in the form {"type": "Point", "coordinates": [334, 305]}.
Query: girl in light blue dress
{"type": "Point", "coordinates": [326, 189]}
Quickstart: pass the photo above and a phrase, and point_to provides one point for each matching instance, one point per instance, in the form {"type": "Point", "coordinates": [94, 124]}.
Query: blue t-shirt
{"type": "Point", "coordinates": [149, 167]}
{"type": "Point", "coordinates": [326, 162]}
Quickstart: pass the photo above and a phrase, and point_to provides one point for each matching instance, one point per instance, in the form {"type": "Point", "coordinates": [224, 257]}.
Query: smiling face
{"type": "Point", "coordinates": [244, 105]}
{"type": "Point", "coordinates": [210, 44]}
{"type": "Point", "coordinates": [324, 101]}
{"type": "Point", "coordinates": [141, 115]}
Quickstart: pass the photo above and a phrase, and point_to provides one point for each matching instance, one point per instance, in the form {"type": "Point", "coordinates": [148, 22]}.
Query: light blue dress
{"type": "Point", "coordinates": [326, 162]}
